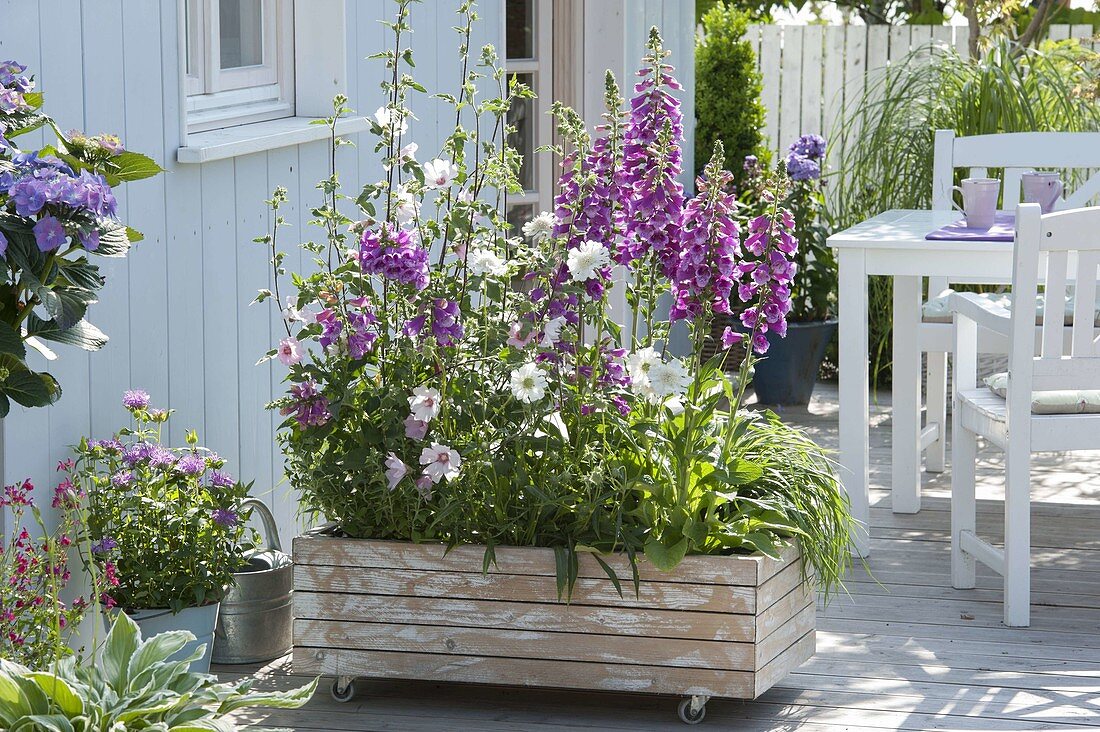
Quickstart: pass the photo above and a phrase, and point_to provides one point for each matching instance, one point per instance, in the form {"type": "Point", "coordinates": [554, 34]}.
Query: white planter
{"type": "Point", "coordinates": [200, 621]}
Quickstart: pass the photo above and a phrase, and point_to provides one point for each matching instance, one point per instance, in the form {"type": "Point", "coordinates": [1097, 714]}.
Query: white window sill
{"type": "Point", "coordinates": [230, 142]}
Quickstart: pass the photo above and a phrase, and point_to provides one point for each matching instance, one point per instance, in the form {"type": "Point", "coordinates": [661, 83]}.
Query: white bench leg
{"type": "Point", "coordinates": [964, 448]}
{"type": "Point", "coordinates": [905, 474]}
{"type": "Point", "coordinates": [936, 456]}
{"type": "Point", "coordinates": [1017, 575]}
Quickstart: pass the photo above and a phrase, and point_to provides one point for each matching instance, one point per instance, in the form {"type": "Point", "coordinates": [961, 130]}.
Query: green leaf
{"type": "Point", "coordinates": [59, 691]}
{"type": "Point", "coordinates": [81, 273]}
{"type": "Point", "coordinates": [291, 699]}
{"type": "Point", "coordinates": [742, 472]}
{"type": "Point", "coordinates": [120, 646]}
{"type": "Point", "coordinates": [130, 165]}
{"type": "Point", "coordinates": [157, 649]}
{"type": "Point", "coordinates": [113, 240]}
{"type": "Point", "coordinates": [11, 342]}
{"type": "Point", "coordinates": [82, 334]}
{"type": "Point", "coordinates": [31, 389]}
{"type": "Point", "coordinates": [44, 722]}
{"type": "Point", "coordinates": [665, 558]}
{"type": "Point", "coordinates": [5, 405]}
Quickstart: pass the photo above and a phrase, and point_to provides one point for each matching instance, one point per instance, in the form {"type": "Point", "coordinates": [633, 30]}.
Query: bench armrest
{"type": "Point", "coordinates": [981, 311]}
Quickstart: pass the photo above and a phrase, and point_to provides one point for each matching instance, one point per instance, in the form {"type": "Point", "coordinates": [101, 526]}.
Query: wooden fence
{"type": "Point", "coordinates": [810, 72]}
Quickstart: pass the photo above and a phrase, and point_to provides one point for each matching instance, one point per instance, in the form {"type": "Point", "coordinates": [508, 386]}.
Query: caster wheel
{"type": "Point", "coordinates": [342, 694]}
{"type": "Point", "coordinates": [686, 715]}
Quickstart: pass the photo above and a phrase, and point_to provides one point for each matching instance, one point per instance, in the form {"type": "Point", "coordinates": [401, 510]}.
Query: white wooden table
{"type": "Point", "coordinates": [893, 244]}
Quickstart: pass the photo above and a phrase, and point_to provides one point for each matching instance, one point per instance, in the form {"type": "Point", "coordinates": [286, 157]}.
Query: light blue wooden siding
{"type": "Point", "coordinates": [676, 20]}
{"type": "Point", "coordinates": [177, 310]}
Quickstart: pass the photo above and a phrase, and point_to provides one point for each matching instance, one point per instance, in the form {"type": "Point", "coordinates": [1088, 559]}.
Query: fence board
{"type": "Point", "coordinates": [811, 74]}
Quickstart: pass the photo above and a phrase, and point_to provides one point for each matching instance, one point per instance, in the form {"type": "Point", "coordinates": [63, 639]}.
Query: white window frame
{"type": "Point", "coordinates": [541, 69]}
{"type": "Point", "coordinates": [216, 98]}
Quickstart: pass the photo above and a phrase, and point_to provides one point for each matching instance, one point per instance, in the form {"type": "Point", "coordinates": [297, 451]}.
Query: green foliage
{"type": "Point", "coordinates": [136, 684]}
{"type": "Point", "coordinates": [887, 137]}
{"type": "Point", "coordinates": [165, 525]}
{"type": "Point", "coordinates": [727, 92]}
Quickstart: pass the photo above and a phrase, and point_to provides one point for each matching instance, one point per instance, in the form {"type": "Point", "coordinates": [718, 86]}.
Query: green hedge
{"type": "Point", "coordinates": [727, 91]}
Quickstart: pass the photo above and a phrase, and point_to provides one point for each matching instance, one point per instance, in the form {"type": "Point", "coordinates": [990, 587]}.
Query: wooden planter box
{"type": "Point", "coordinates": [714, 627]}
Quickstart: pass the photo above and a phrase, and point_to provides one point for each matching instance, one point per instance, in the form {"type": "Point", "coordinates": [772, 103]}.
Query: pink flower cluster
{"type": "Point", "coordinates": [710, 249]}
{"type": "Point", "coordinates": [309, 406]}
{"type": "Point", "coordinates": [768, 277]}
{"type": "Point", "coordinates": [652, 160]}
{"type": "Point", "coordinates": [394, 254]}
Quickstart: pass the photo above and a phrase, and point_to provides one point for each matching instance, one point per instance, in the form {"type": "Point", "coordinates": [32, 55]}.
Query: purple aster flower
{"type": "Point", "coordinates": [394, 254]}
{"type": "Point", "coordinates": [122, 478]}
{"type": "Point", "coordinates": [135, 399]}
{"type": "Point", "coordinates": [446, 326]}
{"type": "Point", "coordinates": [218, 479]}
{"type": "Point", "coordinates": [49, 234]}
{"type": "Point", "coordinates": [161, 456]}
{"type": "Point", "coordinates": [191, 464]}
{"type": "Point", "coordinates": [224, 517]}
{"type": "Point", "coordinates": [104, 545]}
{"type": "Point", "coordinates": [137, 453]}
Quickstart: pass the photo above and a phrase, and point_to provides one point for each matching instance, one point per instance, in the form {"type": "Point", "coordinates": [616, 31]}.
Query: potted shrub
{"type": "Point", "coordinates": [797, 348]}
{"type": "Point", "coordinates": [524, 490]}
{"type": "Point", "coordinates": [166, 526]}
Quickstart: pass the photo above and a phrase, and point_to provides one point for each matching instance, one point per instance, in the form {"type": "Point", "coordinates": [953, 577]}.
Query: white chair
{"type": "Point", "coordinates": [1015, 153]}
{"type": "Point", "coordinates": [1061, 382]}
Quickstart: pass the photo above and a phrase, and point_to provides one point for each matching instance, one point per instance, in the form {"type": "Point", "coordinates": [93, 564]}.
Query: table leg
{"type": "Point", "coordinates": [905, 483]}
{"type": "Point", "coordinates": [854, 404]}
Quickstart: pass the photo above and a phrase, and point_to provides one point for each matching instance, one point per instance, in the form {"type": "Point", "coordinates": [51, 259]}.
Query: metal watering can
{"type": "Point", "coordinates": [256, 620]}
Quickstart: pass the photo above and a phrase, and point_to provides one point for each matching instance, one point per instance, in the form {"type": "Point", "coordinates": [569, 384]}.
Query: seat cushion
{"type": "Point", "coordinates": [936, 309]}
{"type": "Point", "coordinates": [1085, 401]}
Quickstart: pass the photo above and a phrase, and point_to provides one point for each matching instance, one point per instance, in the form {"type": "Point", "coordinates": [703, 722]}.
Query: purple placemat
{"type": "Point", "coordinates": [1003, 229]}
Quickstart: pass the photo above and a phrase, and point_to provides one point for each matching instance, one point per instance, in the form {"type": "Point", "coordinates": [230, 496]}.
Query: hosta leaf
{"type": "Point", "coordinates": [122, 642]}
{"type": "Point", "coordinates": [59, 691]}
{"type": "Point", "coordinates": [291, 699]}
{"type": "Point", "coordinates": [664, 557]}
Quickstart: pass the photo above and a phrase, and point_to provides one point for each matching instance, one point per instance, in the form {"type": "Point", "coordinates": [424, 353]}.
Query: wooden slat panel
{"type": "Point", "coordinates": [528, 588]}
{"type": "Point", "coordinates": [533, 616]}
{"type": "Point", "coordinates": [797, 654]}
{"type": "Point", "coordinates": [330, 551]}
{"type": "Point", "coordinates": [777, 587]}
{"type": "Point", "coordinates": [522, 644]}
{"type": "Point", "coordinates": [812, 81]}
{"type": "Point", "coordinates": [770, 59]}
{"type": "Point", "coordinates": [768, 621]}
{"type": "Point", "coordinates": [803, 622]}
{"type": "Point", "coordinates": [790, 90]}
{"type": "Point", "coordinates": [527, 672]}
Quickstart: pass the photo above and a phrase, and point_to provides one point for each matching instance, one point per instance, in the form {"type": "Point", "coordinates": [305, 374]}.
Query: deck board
{"type": "Point", "coordinates": [902, 651]}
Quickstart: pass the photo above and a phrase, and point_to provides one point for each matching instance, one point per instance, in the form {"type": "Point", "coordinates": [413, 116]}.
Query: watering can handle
{"type": "Point", "coordinates": [271, 531]}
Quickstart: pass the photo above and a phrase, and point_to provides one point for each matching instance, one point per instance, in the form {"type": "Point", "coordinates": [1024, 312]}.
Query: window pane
{"type": "Point", "coordinates": [519, 29]}
{"type": "Point", "coordinates": [242, 33]}
{"type": "Point", "coordinates": [517, 216]}
{"type": "Point", "coordinates": [522, 117]}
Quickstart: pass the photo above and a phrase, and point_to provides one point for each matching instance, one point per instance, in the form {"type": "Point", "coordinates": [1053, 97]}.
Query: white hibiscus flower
{"type": "Point", "coordinates": [440, 462]}
{"type": "Point", "coordinates": [424, 403]}
{"type": "Point", "coordinates": [388, 118]}
{"type": "Point", "coordinates": [528, 383]}
{"type": "Point", "coordinates": [439, 173]}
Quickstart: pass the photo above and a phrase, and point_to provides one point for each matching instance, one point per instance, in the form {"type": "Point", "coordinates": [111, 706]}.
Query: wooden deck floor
{"type": "Point", "coordinates": [902, 651]}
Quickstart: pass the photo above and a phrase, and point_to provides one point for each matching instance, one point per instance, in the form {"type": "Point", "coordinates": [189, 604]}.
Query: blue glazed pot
{"type": "Point", "coordinates": [786, 375]}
